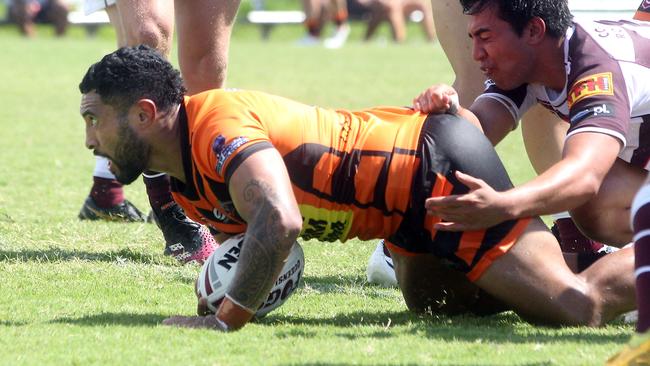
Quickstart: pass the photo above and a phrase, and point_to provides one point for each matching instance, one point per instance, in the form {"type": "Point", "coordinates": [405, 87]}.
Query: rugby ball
{"type": "Point", "coordinates": [219, 270]}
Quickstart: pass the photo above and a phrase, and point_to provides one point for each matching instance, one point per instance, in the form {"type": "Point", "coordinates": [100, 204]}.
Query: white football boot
{"type": "Point", "coordinates": [380, 268]}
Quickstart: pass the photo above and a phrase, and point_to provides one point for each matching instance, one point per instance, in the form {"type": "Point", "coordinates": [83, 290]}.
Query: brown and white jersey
{"type": "Point", "coordinates": [607, 86]}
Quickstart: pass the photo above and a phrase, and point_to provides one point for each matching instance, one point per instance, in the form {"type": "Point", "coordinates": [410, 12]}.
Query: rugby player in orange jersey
{"type": "Point", "coordinates": [244, 161]}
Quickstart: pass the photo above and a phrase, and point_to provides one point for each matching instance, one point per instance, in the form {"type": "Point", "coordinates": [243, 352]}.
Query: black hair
{"type": "Point", "coordinates": [518, 13]}
{"type": "Point", "coordinates": [131, 73]}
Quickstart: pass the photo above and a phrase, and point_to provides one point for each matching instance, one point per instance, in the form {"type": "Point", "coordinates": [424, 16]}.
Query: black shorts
{"type": "Point", "coordinates": [447, 144]}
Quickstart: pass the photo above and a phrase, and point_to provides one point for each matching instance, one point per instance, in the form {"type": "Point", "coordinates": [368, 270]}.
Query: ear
{"type": "Point", "coordinates": [535, 30]}
{"type": "Point", "coordinates": [144, 112]}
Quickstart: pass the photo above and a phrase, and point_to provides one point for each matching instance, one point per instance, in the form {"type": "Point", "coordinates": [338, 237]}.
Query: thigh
{"type": "Point", "coordinates": [429, 285]}
{"type": "Point", "coordinates": [606, 217]}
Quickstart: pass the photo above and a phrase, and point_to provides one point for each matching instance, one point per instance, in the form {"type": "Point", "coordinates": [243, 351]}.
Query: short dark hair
{"type": "Point", "coordinates": [131, 73]}
{"type": "Point", "coordinates": [518, 13]}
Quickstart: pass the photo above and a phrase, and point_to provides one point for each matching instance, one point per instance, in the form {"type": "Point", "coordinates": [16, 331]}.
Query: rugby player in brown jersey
{"type": "Point", "coordinates": [276, 169]}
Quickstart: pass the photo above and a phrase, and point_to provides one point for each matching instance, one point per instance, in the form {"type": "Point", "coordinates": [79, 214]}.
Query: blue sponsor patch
{"type": "Point", "coordinates": [593, 111]}
{"type": "Point", "coordinates": [217, 144]}
{"type": "Point", "coordinates": [227, 150]}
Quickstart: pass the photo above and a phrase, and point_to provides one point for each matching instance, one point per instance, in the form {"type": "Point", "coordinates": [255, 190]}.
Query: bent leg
{"type": "Point", "coordinates": [533, 278]}
{"type": "Point", "coordinates": [204, 28]}
{"type": "Point", "coordinates": [606, 217]}
{"type": "Point", "coordinates": [428, 285]}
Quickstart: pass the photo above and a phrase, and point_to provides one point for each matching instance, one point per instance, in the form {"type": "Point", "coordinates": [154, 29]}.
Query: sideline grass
{"type": "Point", "coordinates": [75, 293]}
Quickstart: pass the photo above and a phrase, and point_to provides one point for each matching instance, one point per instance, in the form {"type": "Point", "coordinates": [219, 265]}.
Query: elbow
{"type": "Point", "coordinates": [589, 186]}
{"type": "Point", "coordinates": [289, 225]}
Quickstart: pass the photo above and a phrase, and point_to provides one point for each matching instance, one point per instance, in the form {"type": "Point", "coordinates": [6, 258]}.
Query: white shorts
{"type": "Point", "coordinates": [91, 6]}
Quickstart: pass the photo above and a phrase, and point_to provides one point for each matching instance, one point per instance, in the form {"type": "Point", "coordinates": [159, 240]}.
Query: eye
{"type": "Point", "coordinates": [93, 121]}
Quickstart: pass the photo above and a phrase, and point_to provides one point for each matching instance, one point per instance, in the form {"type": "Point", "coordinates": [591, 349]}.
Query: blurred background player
{"type": "Point", "coordinates": [203, 29]}
{"type": "Point", "coordinates": [317, 12]}
{"type": "Point", "coordinates": [395, 12]}
{"type": "Point", "coordinates": [25, 13]}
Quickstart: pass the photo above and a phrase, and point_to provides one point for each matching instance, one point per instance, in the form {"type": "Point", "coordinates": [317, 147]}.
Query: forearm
{"type": "Point", "coordinates": [266, 246]}
{"type": "Point", "coordinates": [561, 188]}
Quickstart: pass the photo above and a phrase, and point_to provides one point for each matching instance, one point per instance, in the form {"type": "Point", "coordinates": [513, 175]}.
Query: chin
{"type": "Point", "coordinates": [127, 179]}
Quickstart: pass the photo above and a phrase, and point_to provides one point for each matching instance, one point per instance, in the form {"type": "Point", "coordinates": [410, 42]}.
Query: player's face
{"type": "Point", "coordinates": [503, 56]}
{"type": "Point", "coordinates": [109, 134]}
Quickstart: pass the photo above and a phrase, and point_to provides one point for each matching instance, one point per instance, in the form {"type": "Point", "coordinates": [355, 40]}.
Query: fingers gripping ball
{"type": "Point", "coordinates": [219, 270]}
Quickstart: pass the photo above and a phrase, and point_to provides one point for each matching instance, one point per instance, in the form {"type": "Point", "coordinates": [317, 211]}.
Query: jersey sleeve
{"type": "Point", "coordinates": [517, 101]}
{"type": "Point", "coordinates": [226, 139]}
{"type": "Point", "coordinates": [598, 102]}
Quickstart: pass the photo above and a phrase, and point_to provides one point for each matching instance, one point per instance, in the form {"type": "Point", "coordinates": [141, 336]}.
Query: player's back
{"type": "Point", "coordinates": [351, 171]}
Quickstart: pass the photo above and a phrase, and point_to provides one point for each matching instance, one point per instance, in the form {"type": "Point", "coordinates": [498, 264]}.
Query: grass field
{"type": "Point", "coordinates": [78, 293]}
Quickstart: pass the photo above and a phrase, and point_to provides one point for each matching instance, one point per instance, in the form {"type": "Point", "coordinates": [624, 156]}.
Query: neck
{"type": "Point", "coordinates": [166, 155]}
{"type": "Point", "coordinates": [550, 70]}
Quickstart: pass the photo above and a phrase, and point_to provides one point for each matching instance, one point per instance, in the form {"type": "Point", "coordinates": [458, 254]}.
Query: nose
{"type": "Point", "coordinates": [91, 141]}
{"type": "Point", "coordinates": [478, 53]}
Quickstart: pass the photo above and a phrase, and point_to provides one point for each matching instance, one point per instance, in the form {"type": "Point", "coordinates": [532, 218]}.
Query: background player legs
{"type": "Point", "coordinates": [339, 16]}
{"type": "Point", "coordinates": [314, 20]}
{"type": "Point", "coordinates": [204, 29]}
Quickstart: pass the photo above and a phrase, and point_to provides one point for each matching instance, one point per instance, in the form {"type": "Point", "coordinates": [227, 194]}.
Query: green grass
{"type": "Point", "coordinates": [77, 293]}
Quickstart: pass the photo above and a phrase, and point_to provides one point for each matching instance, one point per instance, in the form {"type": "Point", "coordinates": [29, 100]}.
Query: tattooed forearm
{"type": "Point", "coordinates": [265, 248]}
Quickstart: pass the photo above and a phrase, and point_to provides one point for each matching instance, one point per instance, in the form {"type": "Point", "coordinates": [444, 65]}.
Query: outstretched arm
{"type": "Point", "coordinates": [568, 184]}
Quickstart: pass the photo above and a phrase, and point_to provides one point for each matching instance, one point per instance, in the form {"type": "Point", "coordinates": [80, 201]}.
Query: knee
{"type": "Point", "coordinates": [152, 32]}
{"type": "Point", "coordinates": [577, 306]}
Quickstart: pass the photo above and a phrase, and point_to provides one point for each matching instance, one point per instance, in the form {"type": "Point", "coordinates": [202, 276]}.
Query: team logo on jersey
{"type": "Point", "coordinates": [596, 84]}
{"type": "Point", "coordinates": [223, 151]}
{"type": "Point", "coordinates": [593, 111]}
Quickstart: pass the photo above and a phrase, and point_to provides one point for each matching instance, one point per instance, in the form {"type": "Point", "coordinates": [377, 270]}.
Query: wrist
{"type": "Point", "coordinates": [232, 315]}
{"type": "Point", "coordinates": [510, 206]}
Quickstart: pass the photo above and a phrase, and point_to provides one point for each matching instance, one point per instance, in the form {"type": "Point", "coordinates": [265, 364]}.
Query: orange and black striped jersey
{"type": "Point", "coordinates": [351, 172]}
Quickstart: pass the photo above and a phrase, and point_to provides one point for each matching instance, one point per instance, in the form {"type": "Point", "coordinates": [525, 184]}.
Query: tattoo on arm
{"type": "Point", "coordinates": [264, 250]}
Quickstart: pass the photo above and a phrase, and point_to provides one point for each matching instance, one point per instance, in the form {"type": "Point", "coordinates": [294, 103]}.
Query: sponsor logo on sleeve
{"type": "Point", "coordinates": [596, 84]}
{"type": "Point", "coordinates": [598, 110]}
{"type": "Point", "coordinates": [226, 150]}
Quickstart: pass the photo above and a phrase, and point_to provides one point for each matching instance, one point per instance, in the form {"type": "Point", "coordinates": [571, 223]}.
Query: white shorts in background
{"type": "Point", "coordinates": [91, 6]}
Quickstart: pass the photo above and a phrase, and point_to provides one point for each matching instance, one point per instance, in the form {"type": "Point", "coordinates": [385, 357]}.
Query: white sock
{"type": "Point", "coordinates": [101, 168]}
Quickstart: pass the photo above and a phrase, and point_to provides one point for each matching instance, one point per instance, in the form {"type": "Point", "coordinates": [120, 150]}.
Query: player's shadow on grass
{"type": "Point", "coordinates": [63, 255]}
{"type": "Point", "coordinates": [501, 328]}
{"type": "Point", "coordinates": [124, 319]}
{"type": "Point", "coordinates": [339, 284]}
